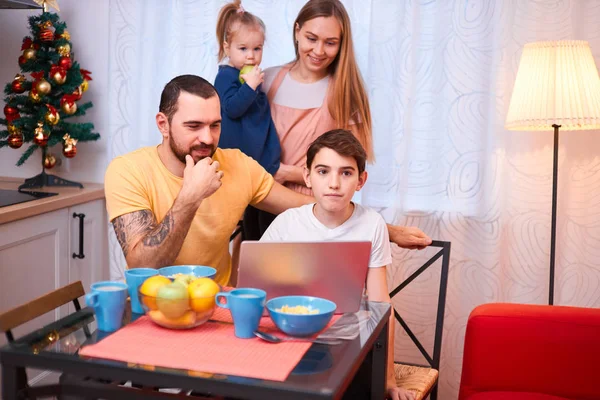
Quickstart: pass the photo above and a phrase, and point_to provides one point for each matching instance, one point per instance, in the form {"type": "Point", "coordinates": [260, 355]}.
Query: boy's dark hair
{"type": "Point", "coordinates": [192, 84]}
{"type": "Point", "coordinates": [342, 142]}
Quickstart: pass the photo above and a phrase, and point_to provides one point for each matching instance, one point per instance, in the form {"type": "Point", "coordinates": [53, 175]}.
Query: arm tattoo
{"type": "Point", "coordinates": [129, 227]}
{"type": "Point", "coordinates": [159, 232]}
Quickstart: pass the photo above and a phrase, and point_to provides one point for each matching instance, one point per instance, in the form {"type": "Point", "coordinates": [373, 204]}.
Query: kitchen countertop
{"type": "Point", "coordinates": [67, 196]}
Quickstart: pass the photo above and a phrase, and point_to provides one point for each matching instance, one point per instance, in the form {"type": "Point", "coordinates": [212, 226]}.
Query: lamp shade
{"type": "Point", "coordinates": [557, 83]}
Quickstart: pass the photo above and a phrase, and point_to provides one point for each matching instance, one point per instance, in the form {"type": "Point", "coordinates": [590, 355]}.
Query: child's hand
{"type": "Point", "coordinates": [254, 77]}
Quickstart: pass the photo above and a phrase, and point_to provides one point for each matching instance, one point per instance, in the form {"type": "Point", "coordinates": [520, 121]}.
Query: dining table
{"type": "Point", "coordinates": [354, 368]}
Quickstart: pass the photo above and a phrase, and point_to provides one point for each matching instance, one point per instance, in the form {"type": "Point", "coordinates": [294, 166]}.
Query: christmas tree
{"type": "Point", "coordinates": [42, 115]}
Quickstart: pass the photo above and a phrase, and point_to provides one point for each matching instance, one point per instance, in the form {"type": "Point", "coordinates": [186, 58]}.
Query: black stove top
{"type": "Point", "coordinates": [10, 197]}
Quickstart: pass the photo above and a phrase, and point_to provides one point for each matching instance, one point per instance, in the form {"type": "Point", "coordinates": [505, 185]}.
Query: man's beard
{"type": "Point", "coordinates": [180, 153]}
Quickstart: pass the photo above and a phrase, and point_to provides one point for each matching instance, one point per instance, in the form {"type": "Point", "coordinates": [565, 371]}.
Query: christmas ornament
{"type": "Point", "coordinates": [12, 129]}
{"type": "Point", "coordinates": [48, 3]}
{"type": "Point", "coordinates": [15, 140]}
{"type": "Point", "coordinates": [86, 75]}
{"type": "Point", "coordinates": [52, 117]}
{"type": "Point", "coordinates": [65, 62]}
{"type": "Point", "coordinates": [22, 60]}
{"type": "Point", "coordinates": [34, 96]}
{"type": "Point", "coordinates": [78, 93]}
{"type": "Point", "coordinates": [64, 35]}
{"type": "Point", "coordinates": [43, 86]}
{"type": "Point", "coordinates": [46, 35]}
{"type": "Point", "coordinates": [59, 74]}
{"type": "Point", "coordinates": [49, 161]}
{"type": "Point", "coordinates": [10, 111]}
{"type": "Point", "coordinates": [64, 50]}
{"type": "Point", "coordinates": [68, 105]}
{"type": "Point", "coordinates": [29, 54]}
{"type": "Point", "coordinates": [17, 84]}
{"type": "Point", "coordinates": [41, 135]}
{"type": "Point", "coordinates": [69, 146]}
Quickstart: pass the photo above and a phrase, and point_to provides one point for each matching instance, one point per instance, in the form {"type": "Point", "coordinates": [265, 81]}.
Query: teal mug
{"type": "Point", "coordinates": [246, 307]}
{"type": "Point", "coordinates": [108, 299]}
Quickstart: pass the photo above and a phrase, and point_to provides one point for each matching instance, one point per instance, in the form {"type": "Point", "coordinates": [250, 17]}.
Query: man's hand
{"type": "Point", "coordinates": [396, 393]}
{"type": "Point", "coordinates": [409, 237]}
{"type": "Point", "coordinates": [201, 180]}
{"type": "Point", "coordinates": [254, 78]}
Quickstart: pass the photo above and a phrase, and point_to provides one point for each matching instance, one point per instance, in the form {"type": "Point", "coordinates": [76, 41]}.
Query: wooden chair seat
{"type": "Point", "coordinates": [419, 380]}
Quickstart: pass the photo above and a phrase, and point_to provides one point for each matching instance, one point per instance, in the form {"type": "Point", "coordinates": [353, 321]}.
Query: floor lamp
{"type": "Point", "coordinates": [557, 86]}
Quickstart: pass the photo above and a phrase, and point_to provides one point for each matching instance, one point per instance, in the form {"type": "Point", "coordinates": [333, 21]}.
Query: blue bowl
{"type": "Point", "coordinates": [301, 324]}
{"type": "Point", "coordinates": [199, 271]}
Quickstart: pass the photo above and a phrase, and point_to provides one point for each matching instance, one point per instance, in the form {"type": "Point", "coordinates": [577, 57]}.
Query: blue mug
{"type": "Point", "coordinates": [108, 299]}
{"type": "Point", "coordinates": [134, 278]}
{"type": "Point", "coordinates": [246, 307]}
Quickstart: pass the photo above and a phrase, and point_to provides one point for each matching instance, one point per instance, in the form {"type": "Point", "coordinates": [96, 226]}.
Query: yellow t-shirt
{"type": "Point", "coordinates": [140, 181]}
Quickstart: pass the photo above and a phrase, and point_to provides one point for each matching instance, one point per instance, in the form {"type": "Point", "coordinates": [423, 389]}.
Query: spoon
{"type": "Point", "coordinates": [274, 339]}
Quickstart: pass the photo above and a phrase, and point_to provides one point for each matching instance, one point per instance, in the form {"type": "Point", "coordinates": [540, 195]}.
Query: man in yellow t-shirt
{"type": "Point", "coordinates": [178, 203]}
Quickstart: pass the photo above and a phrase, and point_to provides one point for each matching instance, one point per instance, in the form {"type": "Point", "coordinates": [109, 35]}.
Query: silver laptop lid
{"type": "Point", "coordinates": [336, 271]}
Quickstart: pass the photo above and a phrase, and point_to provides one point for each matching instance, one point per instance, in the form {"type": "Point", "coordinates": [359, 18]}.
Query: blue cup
{"type": "Point", "coordinates": [134, 278]}
{"type": "Point", "coordinates": [108, 299]}
{"type": "Point", "coordinates": [246, 307]}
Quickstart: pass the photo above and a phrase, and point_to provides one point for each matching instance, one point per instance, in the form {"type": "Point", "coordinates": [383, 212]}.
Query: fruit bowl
{"type": "Point", "coordinates": [294, 324]}
{"type": "Point", "coordinates": [175, 305]}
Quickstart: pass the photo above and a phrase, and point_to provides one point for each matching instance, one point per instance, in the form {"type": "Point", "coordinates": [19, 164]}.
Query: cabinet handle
{"type": "Point", "coordinates": [81, 217]}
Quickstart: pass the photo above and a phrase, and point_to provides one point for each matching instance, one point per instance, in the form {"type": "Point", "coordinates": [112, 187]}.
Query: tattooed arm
{"type": "Point", "coordinates": [148, 243]}
{"type": "Point", "coordinates": [152, 244]}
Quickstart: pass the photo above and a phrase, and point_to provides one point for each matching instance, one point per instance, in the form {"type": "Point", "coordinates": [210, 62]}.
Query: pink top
{"type": "Point", "coordinates": [297, 128]}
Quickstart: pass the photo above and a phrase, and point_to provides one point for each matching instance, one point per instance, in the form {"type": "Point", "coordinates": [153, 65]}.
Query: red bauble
{"type": "Point", "coordinates": [49, 161]}
{"type": "Point", "coordinates": [10, 111]}
{"type": "Point", "coordinates": [22, 60]}
{"type": "Point", "coordinates": [70, 150]}
{"type": "Point", "coordinates": [17, 87]}
{"type": "Point", "coordinates": [65, 62]}
{"type": "Point", "coordinates": [15, 140]}
{"type": "Point", "coordinates": [46, 35]}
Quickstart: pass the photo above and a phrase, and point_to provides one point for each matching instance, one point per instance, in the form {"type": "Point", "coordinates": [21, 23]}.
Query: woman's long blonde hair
{"type": "Point", "coordinates": [230, 18]}
{"type": "Point", "coordinates": [348, 100]}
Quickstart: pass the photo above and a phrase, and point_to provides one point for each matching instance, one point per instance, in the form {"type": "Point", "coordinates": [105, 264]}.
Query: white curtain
{"type": "Point", "coordinates": [440, 75]}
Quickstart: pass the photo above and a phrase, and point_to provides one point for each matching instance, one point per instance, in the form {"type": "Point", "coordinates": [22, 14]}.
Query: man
{"type": "Point", "coordinates": [178, 203]}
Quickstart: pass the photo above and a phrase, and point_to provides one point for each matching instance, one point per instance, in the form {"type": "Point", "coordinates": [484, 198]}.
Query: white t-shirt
{"type": "Point", "coordinates": [294, 94]}
{"type": "Point", "coordinates": [301, 225]}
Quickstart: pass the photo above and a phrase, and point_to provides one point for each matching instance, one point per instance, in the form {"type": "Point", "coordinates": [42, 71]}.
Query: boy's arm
{"type": "Point", "coordinates": [377, 290]}
{"type": "Point", "coordinates": [235, 99]}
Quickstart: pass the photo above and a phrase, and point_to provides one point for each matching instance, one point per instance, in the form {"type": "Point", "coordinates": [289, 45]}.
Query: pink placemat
{"type": "Point", "coordinates": [211, 347]}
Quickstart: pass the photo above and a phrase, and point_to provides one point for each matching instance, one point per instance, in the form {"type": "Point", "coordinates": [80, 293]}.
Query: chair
{"type": "Point", "coordinates": [11, 319]}
{"type": "Point", "coordinates": [531, 352]}
{"type": "Point", "coordinates": [422, 379]}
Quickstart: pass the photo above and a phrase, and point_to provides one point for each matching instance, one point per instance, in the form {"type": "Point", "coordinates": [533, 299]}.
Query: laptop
{"type": "Point", "coordinates": [336, 271]}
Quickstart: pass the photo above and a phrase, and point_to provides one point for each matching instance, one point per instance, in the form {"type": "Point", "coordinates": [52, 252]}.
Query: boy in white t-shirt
{"type": "Point", "coordinates": [335, 169]}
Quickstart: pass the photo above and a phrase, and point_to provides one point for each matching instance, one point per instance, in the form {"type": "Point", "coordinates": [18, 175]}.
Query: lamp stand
{"type": "Point", "coordinates": [553, 229]}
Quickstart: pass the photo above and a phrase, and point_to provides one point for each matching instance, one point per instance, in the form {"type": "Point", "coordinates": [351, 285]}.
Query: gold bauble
{"type": "Point", "coordinates": [59, 78]}
{"type": "Point", "coordinates": [52, 118]}
{"type": "Point", "coordinates": [35, 96]}
{"type": "Point", "coordinates": [64, 49]}
{"type": "Point", "coordinates": [43, 86]}
{"type": "Point", "coordinates": [84, 85]}
{"type": "Point", "coordinates": [69, 108]}
{"type": "Point", "coordinates": [29, 54]}
{"type": "Point", "coordinates": [12, 129]}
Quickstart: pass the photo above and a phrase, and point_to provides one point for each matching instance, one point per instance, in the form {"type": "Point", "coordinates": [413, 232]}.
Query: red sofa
{"type": "Point", "coordinates": [531, 352]}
